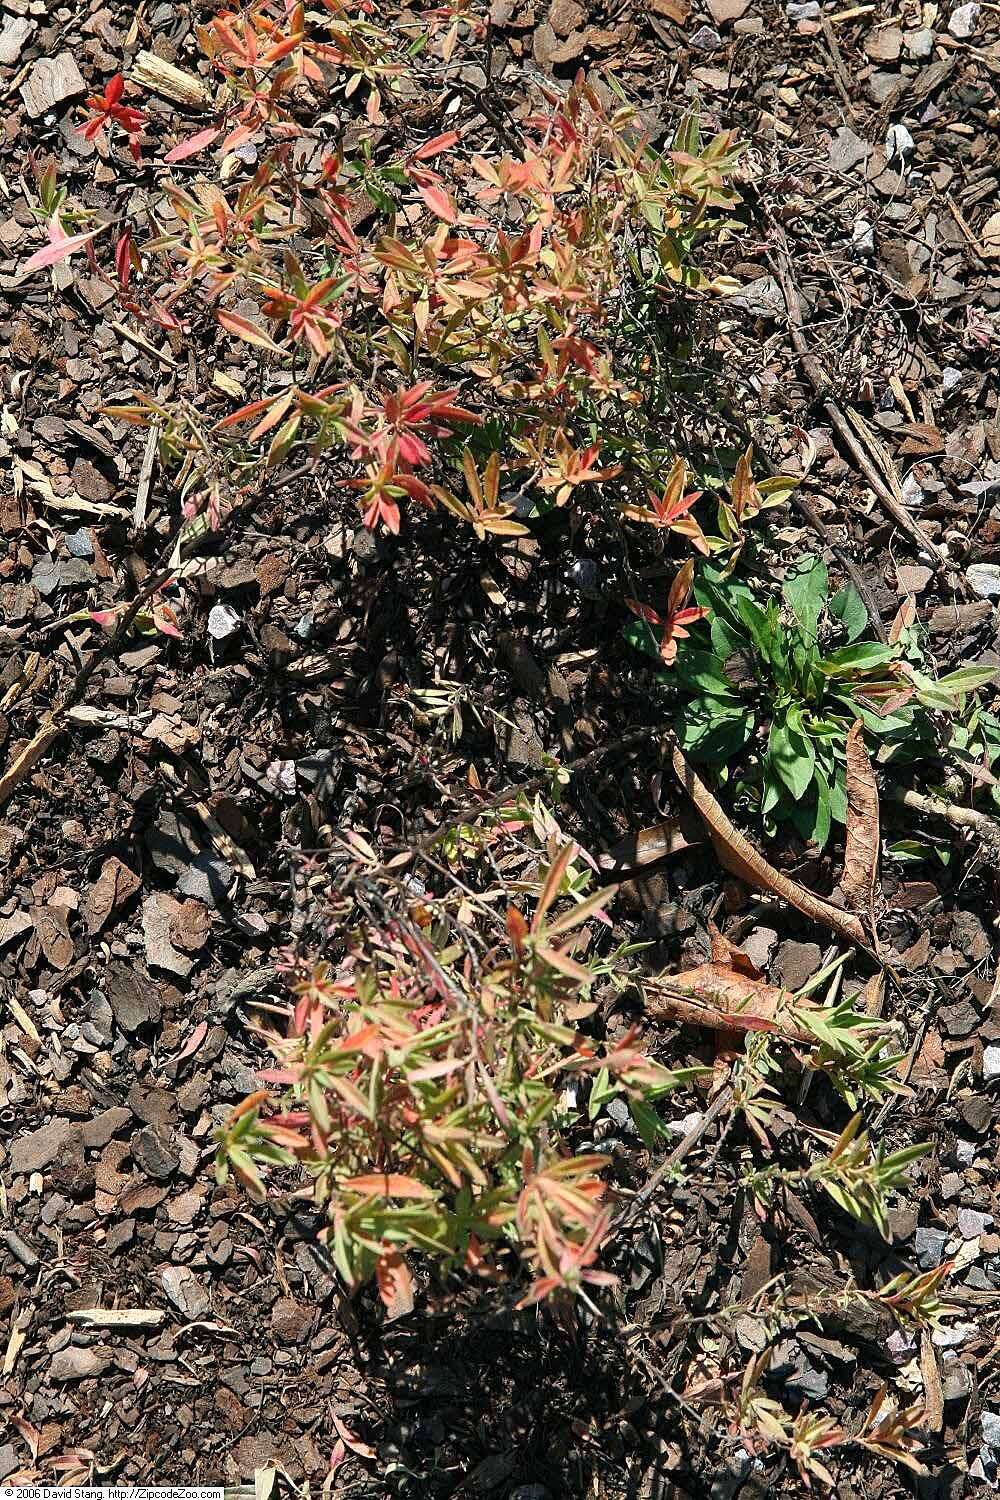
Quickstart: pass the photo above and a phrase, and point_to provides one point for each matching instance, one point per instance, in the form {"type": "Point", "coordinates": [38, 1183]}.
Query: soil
{"type": "Point", "coordinates": [159, 858]}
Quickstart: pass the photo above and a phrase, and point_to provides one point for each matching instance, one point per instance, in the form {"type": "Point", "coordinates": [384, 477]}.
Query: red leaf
{"type": "Point", "coordinates": [58, 249]}
{"type": "Point", "coordinates": [193, 144]}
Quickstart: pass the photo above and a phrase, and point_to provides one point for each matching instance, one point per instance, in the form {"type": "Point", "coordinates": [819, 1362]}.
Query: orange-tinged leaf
{"type": "Point", "coordinates": [242, 328]}
{"type": "Point", "coordinates": [387, 1185]}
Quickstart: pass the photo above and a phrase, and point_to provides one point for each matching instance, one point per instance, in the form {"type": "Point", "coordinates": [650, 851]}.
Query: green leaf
{"type": "Point", "coordinates": [848, 607]}
{"type": "Point", "coordinates": [792, 756]}
{"type": "Point", "coordinates": [711, 730]}
{"type": "Point", "coordinates": [647, 1122]}
{"type": "Point", "coordinates": [823, 816]}
{"type": "Point", "coordinates": [640, 634]}
{"type": "Point", "coordinates": [805, 590]}
{"type": "Point", "coordinates": [702, 669]}
{"type": "Point", "coordinates": [758, 628]}
{"type": "Point", "coordinates": [862, 657]}
{"type": "Point", "coordinates": [967, 679]}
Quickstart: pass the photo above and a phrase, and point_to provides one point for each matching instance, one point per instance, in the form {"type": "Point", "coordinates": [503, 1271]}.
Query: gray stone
{"type": "Point", "coordinates": [153, 1155]}
{"type": "Point", "coordinates": [900, 1346]}
{"type": "Point", "coordinates": [185, 1291]}
{"type": "Point", "coordinates": [964, 22]}
{"type": "Point", "coordinates": [863, 235]}
{"type": "Point", "coordinates": [133, 997]}
{"type": "Point", "coordinates": [617, 1110]}
{"type": "Point", "coordinates": [759, 946]}
{"type": "Point", "coordinates": [971, 1222]}
{"type": "Point", "coordinates": [171, 843]}
{"type": "Point", "coordinates": [50, 575]}
{"type": "Point", "coordinates": [899, 144]}
{"type": "Point", "coordinates": [991, 1063]}
{"type": "Point", "coordinates": [960, 1019]}
{"type": "Point", "coordinates": [966, 1151]}
{"type": "Point", "coordinates": [956, 1381]}
{"type": "Point", "coordinates": [98, 1131]}
{"type": "Point", "coordinates": [762, 298]}
{"type": "Point", "coordinates": [984, 580]}
{"type": "Point", "coordinates": [796, 963]}
{"type": "Point", "coordinates": [847, 150]}
{"type": "Point", "coordinates": [803, 10]}
{"type": "Point", "coordinates": [920, 44]}
{"type": "Point", "coordinates": [991, 1429]}
{"type": "Point", "coordinates": [207, 878]}
{"type": "Point", "coordinates": [809, 1382]}
{"type": "Point", "coordinates": [222, 622]}
{"type": "Point", "coordinates": [705, 39]}
{"type": "Point", "coordinates": [79, 544]}
{"type": "Point", "coordinates": [951, 379]}
{"type": "Point", "coordinates": [928, 1245]}
{"type": "Point", "coordinates": [77, 1364]}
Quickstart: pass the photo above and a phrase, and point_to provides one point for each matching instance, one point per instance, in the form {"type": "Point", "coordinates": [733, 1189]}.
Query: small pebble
{"type": "Point", "coordinates": [79, 544]}
{"type": "Point", "coordinates": [964, 21]}
{"type": "Point", "coordinates": [222, 622]}
{"type": "Point", "coordinates": [803, 10]}
{"type": "Point", "coordinates": [705, 39]}
{"type": "Point", "coordinates": [929, 1246]}
{"type": "Point", "coordinates": [863, 235]}
{"type": "Point", "coordinates": [898, 143]}
{"type": "Point", "coordinates": [965, 1151]}
{"type": "Point", "coordinates": [920, 44]}
{"type": "Point", "coordinates": [984, 580]}
{"type": "Point", "coordinates": [991, 1429]}
{"type": "Point", "coordinates": [971, 1222]}
{"type": "Point", "coordinates": [991, 1055]}
{"type": "Point", "coordinates": [951, 379]}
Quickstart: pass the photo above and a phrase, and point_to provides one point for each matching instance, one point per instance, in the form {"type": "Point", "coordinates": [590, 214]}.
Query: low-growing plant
{"type": "Point", "coordinates": [403, 293]}
{"type": "Point", "coordinates": [768, 689]}
{"type": "Point", "coordinates": [429, 1093]}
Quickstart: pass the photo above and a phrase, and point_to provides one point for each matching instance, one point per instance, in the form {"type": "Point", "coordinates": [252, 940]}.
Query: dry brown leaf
{"type": "Point", "coordinates": [636, 850]}
{"type": "Point", "coordinates": [861, 848]}
{"type": "Point", "coordinates": [738, 855]}
{"type": "Point", "coordinates": [726, 994]}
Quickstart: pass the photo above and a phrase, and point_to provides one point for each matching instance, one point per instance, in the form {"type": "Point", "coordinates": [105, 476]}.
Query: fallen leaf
{"type": "Point", "coordinates": [636, 850]}
{"type": "Point", "coordinates": [862, 844]}
{"type": "Point", "coordinates": [737, 854]}
{"type": "Point", "coordinates": [726, 994]}
{"type": "Point", "coordinates": [363, 1450]}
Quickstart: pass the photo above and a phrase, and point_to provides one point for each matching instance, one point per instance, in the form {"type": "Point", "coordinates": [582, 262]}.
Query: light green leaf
{"type": "Point", "coordinates": [805, 590]}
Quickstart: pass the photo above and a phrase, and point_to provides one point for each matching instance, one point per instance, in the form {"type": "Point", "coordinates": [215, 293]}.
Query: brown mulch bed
{"type": "Point", "coordinates": [154, 864]}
